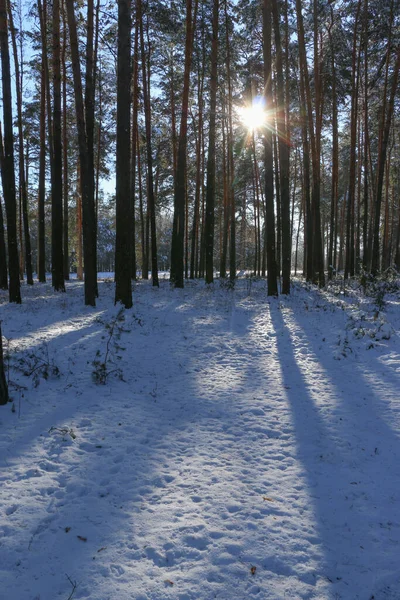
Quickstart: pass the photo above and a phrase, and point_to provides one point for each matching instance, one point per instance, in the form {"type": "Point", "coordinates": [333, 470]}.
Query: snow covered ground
{"type": "Point", "coordinates": [239, 447]}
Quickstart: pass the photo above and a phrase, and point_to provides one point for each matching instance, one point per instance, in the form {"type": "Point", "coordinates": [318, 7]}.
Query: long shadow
{"type": "Point", "coordinates": [354, 480]}
{"type": "Point", "coordinates": [80, 515]}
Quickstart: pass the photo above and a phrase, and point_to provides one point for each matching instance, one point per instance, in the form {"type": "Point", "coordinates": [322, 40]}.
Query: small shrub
{"type": "Point", "coordinates": [106, 367]}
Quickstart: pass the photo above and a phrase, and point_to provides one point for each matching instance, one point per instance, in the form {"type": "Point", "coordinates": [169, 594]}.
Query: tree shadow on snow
{"type": "Point", "coordinates": [349, 454]}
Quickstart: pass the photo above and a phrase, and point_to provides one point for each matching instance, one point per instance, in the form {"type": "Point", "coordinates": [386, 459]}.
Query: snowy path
{"type": "Point", "coordinates": [236, 460]}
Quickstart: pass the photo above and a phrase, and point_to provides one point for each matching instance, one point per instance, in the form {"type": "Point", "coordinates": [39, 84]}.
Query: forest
{"type": "Point", "coordinates": [199, 300]}
{"type": "Point", "coordinates": [202, 138]}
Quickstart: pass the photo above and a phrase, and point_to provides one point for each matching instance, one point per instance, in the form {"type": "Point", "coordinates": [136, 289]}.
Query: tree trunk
{"type": "Point", "coordinates": [150, 184]}
{"type": "Point", "coordinates": [335, 156]}
{"type": "Point", "coordinates": [3, 252]}
{"type": "Point", "coordinates": [65, 155]}
{"type": "Point", "coordinates": [381, 164]}
{"type": "Point", "coordinates": [268, 157]}
{"type": "Point", "coordinates": [284, 165]}
{"type": "Point", "coordinates": [135, 109]}
{"type": "Point", "coordinates": [317, 255]}
{"type": "Point", "coordinates": [21, 162]}
{"type": "Point", "coordinates": [210, 185]}
{"type": "Point", "coordinates": [123, 286]}
{"type": "Point", "coordinates": [57, 261]}
{"type": "Point", "coordinates": [3, 382]}
{"type": "Point", "coordinates": [178, 232]}
{"type": "Point", "coordinates": [90, 214]}
{"type": "Point", "coordinates": [8, 174]}
{"type": "Point", "coordinates": [349, 268]}
{"type": "Point", "coordinates": [87, 184]}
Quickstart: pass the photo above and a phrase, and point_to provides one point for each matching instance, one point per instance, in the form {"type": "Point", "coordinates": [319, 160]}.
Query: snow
{"type": "Point", "coordinates": [240, 448]}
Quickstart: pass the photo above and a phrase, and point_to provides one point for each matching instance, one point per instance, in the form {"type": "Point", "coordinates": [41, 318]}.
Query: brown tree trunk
{"type": "Point", "coordinates": [210, 185]}
{"type": "Point", "coordinates": [268, 157]}
{"type": "Point", "coordinates": [90, 214]}
{"type": "Point", "coordinates": [150, 183]}
{"type": "Point", "coordinates": [57, 261]}
{"type": "Point", "coordinates": [3, 252]}
{"type": "Point", "coordinates": [335, 157]}
{"type": "Point", "coordinates": [65, 155]}
{"type": "Point", "coordinates": [123, 285]}
{"type": "Point", "coordinates": [387, 120]}
{"type": "Point", "coordinates": [349, 267]}
{"type": "Point", "coordinates": [284, 156]}
{"type": "Point", "coordinates": [79, 249]}
{"type": "Point", "coordinates": [23, 193]}
{"type": "Point", "coordinates": [135, 110]}
{"type": "Point", "coordinates": [8, 175]}
{"type": "Point", "coordinates": [318, 275]}
{"type": "Point", "coordinates": [178, 231]}
{"type": "Point", "coordinates": [87, 184]}
{"type": "Point", "coordinates": [3, 382]}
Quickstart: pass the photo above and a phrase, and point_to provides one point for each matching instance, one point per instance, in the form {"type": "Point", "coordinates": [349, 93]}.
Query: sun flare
{"type": "Point", "coordinates": [253, 116]}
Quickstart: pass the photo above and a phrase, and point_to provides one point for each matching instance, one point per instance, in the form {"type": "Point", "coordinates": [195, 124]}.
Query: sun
{"type": "Point", "coordinates": [253, 116]}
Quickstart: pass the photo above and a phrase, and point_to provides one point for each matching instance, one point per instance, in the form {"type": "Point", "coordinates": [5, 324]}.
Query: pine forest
{"type": "Point", "coordinates": [199, 299]}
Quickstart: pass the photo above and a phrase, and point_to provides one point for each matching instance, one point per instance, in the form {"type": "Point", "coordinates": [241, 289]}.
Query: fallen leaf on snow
{"type": "Point", "coordinates": [169, 581]}
{"type": "Point", "coordinates": [80, 537]}
{"type": "Point", "coordinates": [268, 499]}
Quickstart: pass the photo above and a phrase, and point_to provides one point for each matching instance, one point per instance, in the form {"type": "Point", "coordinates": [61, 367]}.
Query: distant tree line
{"type": "Point", "coordinates": [152, 92]}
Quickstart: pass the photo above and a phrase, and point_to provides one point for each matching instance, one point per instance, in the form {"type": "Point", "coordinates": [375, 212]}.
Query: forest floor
{"type": "Point", "coordinates": [207, 443]}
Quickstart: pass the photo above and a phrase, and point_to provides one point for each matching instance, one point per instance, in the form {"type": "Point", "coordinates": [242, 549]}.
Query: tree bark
{"type": "Point", "coordinates": [150, 183]}
{"type": "Point", "coordinates": [21, 156]}
{"type": "Point", "coordinates": [123, 286]}
{"type": "Point", "coordinates": [87, 190]}
{"type": "Point", "coordinates": [178, 231]}
{"type": "Point", "coordinates": [3, 252]}
{"type": "Point", "coordinates": [268, 157]}
{"type": "Point", "coordinates": [210, 185]}
{"type": "Point", "coordinates": [65, 155]}
{"type": "Point", "coordinates": [3, 382]}
{"type": "Point", "coordinates": [381, 164]}
{"type": "Point", "coordinates": [8, 161]}
{"type": "Point", "coordinates": [284, 156]}
{"type": "Point", "coordinates": [57, 261]}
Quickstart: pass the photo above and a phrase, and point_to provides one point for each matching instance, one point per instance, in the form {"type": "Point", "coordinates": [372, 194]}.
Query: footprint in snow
{"type": "Point", "coordinates": [117, 570]}
{"type": "Point", "coordinates": [11, 509]}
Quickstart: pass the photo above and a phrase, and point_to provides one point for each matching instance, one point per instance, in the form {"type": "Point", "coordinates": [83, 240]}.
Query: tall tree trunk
{"type": "Point", "coordinates": [230, 142]}
{"type": "Point", "coordinates": [145, 261]}
{"type": "Point", "coordinates": [3, 382]}
{"type": "Point", "coordinates": [65, 154]}
{"type": "Point", "coordinates": [8, 174]}
{"type": "Point", "coordinates": [79, 246]}
{"type": "Point", "coordinates": [3, 252]}
{"type": "Point", "coordinates": [57, 261]}
{"type": "Point", "coordinates": [88, 209]}
{"type": "Point", "coordinates": [335, 155]}
{"type": "Point", "coordinates": [41, 247]}
{"type": "Point", "coordinates": [123, 286]}
{"type": "Point", "coordinates": [90, 77]}
{"type": "Point", "coordinates": [23, 193]}
{"type": "Point", "coordinates": [210, 185]}
{"type": "Point", "coordinates": [194, 262]}
{"type": "Point", "coordinates": [366, 258]}
{"type": "Point", "coordinates": [349, 267]}
{"type": "Point", "coordinates": [135, 109]}
{"type": "Point", "coordinates": [150, 183]}
{"type": "Point", "coordinates": [317, 255]}
{"type": "Point", "coordinates": [178, 231]}
{"type": "Point", "coordinates": [268, 156]}
{"type": "Point", "coordinates": [283, 141]}
{"type": "Point", "coordinates": [387, 120]}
